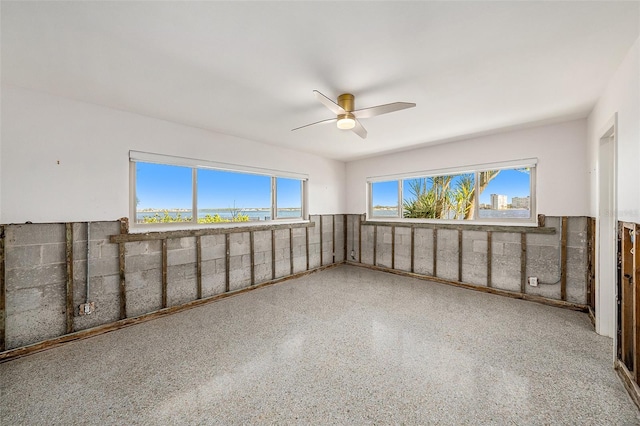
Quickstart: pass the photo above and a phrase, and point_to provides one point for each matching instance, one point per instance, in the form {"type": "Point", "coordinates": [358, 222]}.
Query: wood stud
{"type": "Point", "coordinates": [359, 239]}
{"type": "Point", "coordinates": [3, 299]}
{"type": "Point", "coordinates": [460, 255]}
{"type": "Point", "coordinates": [435, 252]}
{"type": "Point", "coordinates": [563, 260]}
{"type": "Point", "coordinates": [124, 230]}
{"type": "Point", "coordinates": [375, 244]}
{"type": "Point", "coordinates": [393, 247]}
{"type": "Point", "coordinates": [321, 230]}
{"type": "Point", "coordinates": [164, 273]}
{"type": "Point", "coordinates": [273, 254]}
{"type": "Point", "coordinates": [252, 254]}
{"type": "Point", "coordinates": [489, 257]}
{"type": "Point", "coordinates": [523, 263]}
{"type": "Point", "coordinates": [307, 245]}
{"type": "Point", "coordinates": [199, 266]}
{"type": "Point", "coordinates": [333, 239]}
{"type": "Point", "coordinates": [290, 252]}
{"type": "Point", "coordinates": [227, 261]}
{"type": "Point", "coordinates": [413, 248]}
{"type": "Point", "coordinates": [69, 288]}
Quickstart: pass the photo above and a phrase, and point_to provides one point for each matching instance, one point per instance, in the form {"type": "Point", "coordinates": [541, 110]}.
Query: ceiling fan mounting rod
{"type": "Point", "coordinates": [346, 102]}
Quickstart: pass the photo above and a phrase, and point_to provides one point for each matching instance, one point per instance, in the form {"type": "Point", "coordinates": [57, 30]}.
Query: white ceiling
{"type": "Point", "coordinates": [248, 68]}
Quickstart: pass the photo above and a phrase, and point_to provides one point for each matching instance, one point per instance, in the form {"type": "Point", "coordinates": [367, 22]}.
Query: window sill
{"type": "Point", "coordinates": [526, 227]}
{"type": "Point", "coordinates": [139, 228]}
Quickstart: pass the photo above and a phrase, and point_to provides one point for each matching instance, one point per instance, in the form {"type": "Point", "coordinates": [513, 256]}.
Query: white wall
{"type": "Point", "coordinates": [562, 181]}
{"type": "Point", "coordinates": [622, 95]}
{"type": "Point", "coordinates": [64, 160]}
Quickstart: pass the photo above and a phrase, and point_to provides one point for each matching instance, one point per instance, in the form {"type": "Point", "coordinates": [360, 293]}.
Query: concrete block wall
{"type": "Point", "coordinates": [543, 255]}
{"type": "Point", "coordinates": [36, 271]}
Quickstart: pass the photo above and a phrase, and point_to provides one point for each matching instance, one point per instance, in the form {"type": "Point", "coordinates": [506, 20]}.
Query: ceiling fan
{"type": "Point", "coordinates": [347, 118]}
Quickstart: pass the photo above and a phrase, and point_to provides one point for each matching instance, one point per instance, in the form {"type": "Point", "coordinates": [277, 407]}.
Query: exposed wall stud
{"type": "Point", "coordinates": [460, 255]}
{"type": "Point", "coordinates": [164, 273]}
{"type": "Point", "coordinates": [435, 252]}
{"type": "Point", "coordinates": [273, 254]}
{"type": "Point", "coordinates": [307, 244]}
{"type": "Point", "coordinates": [252, 255]}
{"type": "Point", "coordinates": [290, 251]}
{"type": "Point", "coordinates": [375, 244]}
{"type": "Point", "coordinates": [489, 257]}
{"type": "Point", "coordinates": [124, 230]}
{"type": "Point", "coordinates": [3, 298]}
{"type": "Point", "coordinates": [199, 265]}
{"type": "Point", "coordinates": [359, 239]}
{"type": "Point", "coordinates": [413, 248]}
{"type": "Point", "coordinates": [69, 289]}
{"type": "Point", "coordinates": [344, 225]}
{"type": "Point", "coordinates": [523, 263]}
{"type": "Point", "coordinates": [563, 260]}
{"type": "Point", "coordinates": [393, 247]}
{"type": "Point", "coordinates": [333, 240]}
{"type": "Point", "coordinates": [321, 230]}
{"type": "Point", "coordinates": [227, 261]}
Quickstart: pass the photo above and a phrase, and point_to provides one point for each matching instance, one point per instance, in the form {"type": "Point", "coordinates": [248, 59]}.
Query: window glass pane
{"type": "Point", "coordinates": [505, 193]}
{"type": "Point", "coordinates": [163, 193]}
{"type": "Point", "coordinates": [289, 198]}
{"type": "Point", "coordinates": [439, 197]}
{"type": "Point", "coordinates": [233, 197]}
{"type": "Point", "coordinates": [384, 198]}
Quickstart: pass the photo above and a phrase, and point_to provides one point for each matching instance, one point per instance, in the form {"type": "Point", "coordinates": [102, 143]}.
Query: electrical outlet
{"type": "Point", "coordinates": [87, 308]}
{"type": "Point", "coordinates": [533, 281]}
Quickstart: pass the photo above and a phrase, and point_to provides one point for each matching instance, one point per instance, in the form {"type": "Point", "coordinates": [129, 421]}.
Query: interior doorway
{"type": "Point", "coordinates": [606, 238]}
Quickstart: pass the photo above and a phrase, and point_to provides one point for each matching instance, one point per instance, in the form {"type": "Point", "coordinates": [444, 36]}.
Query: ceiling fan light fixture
{"type": "Point", "coordinates": [346, 121]}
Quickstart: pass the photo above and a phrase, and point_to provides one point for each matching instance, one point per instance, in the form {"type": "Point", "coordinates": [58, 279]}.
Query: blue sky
{"type": "Point", "coordinates": [162, 186]}
{"type": "Point", "coordinates": [512, 183]}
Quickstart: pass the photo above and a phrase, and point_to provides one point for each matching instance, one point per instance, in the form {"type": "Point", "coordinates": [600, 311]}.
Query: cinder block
{"type": "Point", "coordinates": [181, 291]}
{"type": "Point", "coordinates": [104, 230]}
{"type": "Point", "coordinates": [143, 262]}
{"type": "Point", "coordinates": [37, 233]}
{"type": "Point", "coordinates": [34, 315]}
{"type": "Point", "coordinates": [474, 257]}
{"type": "Point", "coordinates": [181, 257]}
{"type": "Point", "coordinates": [212, 246]}
{"type": "Point", "coordinates": [23, 257]}
{"type": "Point", "coordinates": [144, 292]}
{"type": "Point", "coordinates": [423, 251]}
{"type": "Point", "coordinates": [262, 273]}
{"type": "Point", "coordinates": [239, 244]}
{"type": "Point", "coordinates": [239, 278]}
{"type": "Point", "coordinates": [212, 284]}
{"type": "Point", "coordinates": [447, 256]}
{"type": "Point", "coordinates": [35, 277]}
{"type": "Point", "coordinates": [181, 272]}
{"type": "Point", "coordinates": [181, 243]}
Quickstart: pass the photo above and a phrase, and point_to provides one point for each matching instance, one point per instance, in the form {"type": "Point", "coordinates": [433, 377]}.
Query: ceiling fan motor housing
{"type": "Point", "coordinates": [346, 102]}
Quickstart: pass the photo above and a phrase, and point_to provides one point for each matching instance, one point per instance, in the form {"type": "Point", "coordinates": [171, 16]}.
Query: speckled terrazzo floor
{"type": "Point", "coordinates": [343, 346]}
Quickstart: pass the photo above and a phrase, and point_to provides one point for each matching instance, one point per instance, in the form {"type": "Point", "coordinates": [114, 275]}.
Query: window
{"type": "Point", "coordinates": [485, 193]}
{"type": "Point", "coordinates": [169, 189]}
{"type": "Point", "coordinates": [385, 200]}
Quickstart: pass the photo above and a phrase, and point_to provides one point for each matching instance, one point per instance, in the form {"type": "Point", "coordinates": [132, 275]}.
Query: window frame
{"type": "Point", "coordinates": [531, 163]}
{"type": "Point", "coordinates": [197, 164]}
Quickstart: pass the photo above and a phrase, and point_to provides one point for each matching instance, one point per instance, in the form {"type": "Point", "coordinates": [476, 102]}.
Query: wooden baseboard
{"type": "Point", "coordinates": [491, 290]}
{"type": "Point", "coordinates": [628, 382]}
{"type": "Point", "coordinates": [105, 328]}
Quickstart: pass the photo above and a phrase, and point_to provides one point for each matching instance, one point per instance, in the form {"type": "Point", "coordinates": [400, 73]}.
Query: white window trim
{"type": "Point", "coordinates": [475, 169]}
{"type": "Point", "coordinates": [195, 164]}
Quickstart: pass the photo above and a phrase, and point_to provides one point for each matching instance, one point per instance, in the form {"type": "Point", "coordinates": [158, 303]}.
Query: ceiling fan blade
{"type": "Point", "coordinates": [329, 120]}
{"type": "Point", "coordinates": [360, 130]}
{"type": "Point", "coordinates": [333, 107]}
{"type": "Point", "coordinates": [382, 109]}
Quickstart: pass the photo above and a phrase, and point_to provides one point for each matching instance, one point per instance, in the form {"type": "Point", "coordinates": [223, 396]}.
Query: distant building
{"type": "Point", "coordinates": [498, 202]}
{"type": "Point", "coordinates": [520, 202]}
